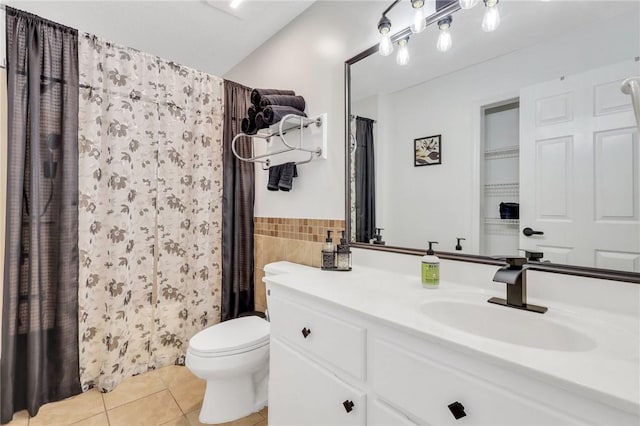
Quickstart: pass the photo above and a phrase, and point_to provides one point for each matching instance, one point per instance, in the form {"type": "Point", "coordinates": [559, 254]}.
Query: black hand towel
{"type": "Point", "coordinates": [284, 100]}
{"type": "Point", "coordinates": [257, 94]}
{"type": "Point", "coordinates": [274, 177]}
{"type": "Point", "coordinates": [288, 172]}
{"type": "Point", "coordinates": [273, 114]}
{"type": "Point", "coordinates": [248, 126]}
{"type": "Point", "coordinates": [252, 111]}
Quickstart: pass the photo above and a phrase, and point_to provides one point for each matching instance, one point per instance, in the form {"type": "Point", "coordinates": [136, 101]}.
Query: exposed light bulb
{"type": "Point", "coordinates": [419, 24]}
{"type": "Point", "coordinates": [403, 53]}
{"type": "Point", "coordinates": [467, 4]}
{"type": "Point", "coordinates": [386, 47]}
{"type": "Point", "coordinates": [444, 40]}
{"type": "Point", "coordinates": [491, 19]}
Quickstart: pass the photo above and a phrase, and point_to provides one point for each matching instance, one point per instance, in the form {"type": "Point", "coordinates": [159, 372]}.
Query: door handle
{"type": "Point", "coordinates": [348, 406]}
{"type": "Point", "coordinates": [306, 332]}
{"type": "Point", "coordinates": [529, 232]}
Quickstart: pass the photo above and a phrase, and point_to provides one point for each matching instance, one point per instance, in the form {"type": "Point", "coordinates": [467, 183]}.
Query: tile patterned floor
{"type": "Point", "coordinates": [170, 396]}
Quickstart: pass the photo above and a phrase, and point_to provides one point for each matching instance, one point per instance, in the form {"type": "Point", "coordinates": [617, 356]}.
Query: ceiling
{"type": "Point", "coordinates": [206, 35]}
{"type": "Point", "coordinates": [525, 23]}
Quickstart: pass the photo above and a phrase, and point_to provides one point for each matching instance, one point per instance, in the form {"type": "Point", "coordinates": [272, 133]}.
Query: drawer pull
{"type": "Point", "coordinates": [348, 406]}
{"type": "Point", "coordinates": [306, 332]}
{"type": "Point", "coordinates": [457, 409]}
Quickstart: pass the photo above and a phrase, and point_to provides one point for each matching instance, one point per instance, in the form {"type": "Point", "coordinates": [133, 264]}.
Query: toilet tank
{"type": "Point", "coordinates": [283, 267]}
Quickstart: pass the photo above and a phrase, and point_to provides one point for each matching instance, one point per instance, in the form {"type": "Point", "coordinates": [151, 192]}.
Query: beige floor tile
{"type": "Point", "coordinates": [97, 420]}
{"type": "Point", "coordinates": [134, 388]}
{"type": "Point", "coordinates": [179, 421]}
{"type": "Point", "coordinates": [154, 409]}
{"type": "Point", "coordinates": [262, 423]}
{"type": "Point", "coordinates": [21, 418]}
{"type": "Point", "coordinates": [250, 420]}
{"type": "Point", "coordinates": [175, 374]}
{"type": "Point", "coordinates": [189, 394]}
{"type": "Point", "coordinates": [70, 410]}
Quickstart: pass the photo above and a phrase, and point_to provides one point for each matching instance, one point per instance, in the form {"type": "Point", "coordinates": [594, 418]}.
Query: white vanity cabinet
{"type": "Point", "coordinates": [331, 365]}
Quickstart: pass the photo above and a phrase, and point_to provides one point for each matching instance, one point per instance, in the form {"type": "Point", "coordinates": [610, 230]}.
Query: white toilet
{"type": "Point", "coordinates": [233, 357]}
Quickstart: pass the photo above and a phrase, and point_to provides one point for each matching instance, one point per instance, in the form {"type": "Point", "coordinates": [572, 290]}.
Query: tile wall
{"type": "Point", "coordinates": [296, 240]}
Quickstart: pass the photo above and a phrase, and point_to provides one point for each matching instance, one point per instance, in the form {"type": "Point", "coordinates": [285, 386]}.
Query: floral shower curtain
{"type": "Point", "coordinates": [150, 143]}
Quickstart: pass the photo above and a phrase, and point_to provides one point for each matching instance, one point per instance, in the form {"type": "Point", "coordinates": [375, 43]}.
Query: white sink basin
{"type": "Point", "coordinates": [507, 325]}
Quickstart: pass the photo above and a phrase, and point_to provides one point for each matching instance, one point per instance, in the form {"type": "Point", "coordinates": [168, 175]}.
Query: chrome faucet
{"type": "Point", "coordinates": [515, 277]}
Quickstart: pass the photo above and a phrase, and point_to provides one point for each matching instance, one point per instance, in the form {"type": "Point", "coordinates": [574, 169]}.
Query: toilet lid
{"type": "Point", "coordinates": [233, 336]}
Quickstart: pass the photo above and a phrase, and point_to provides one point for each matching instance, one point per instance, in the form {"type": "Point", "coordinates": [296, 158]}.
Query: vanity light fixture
{"type": "Point", "coordinates": [403, 52]}
{"type": "Point", "coordinates": [235, 3]}
{"type": "Point", "coordinates": [467, 4]}
{"type": "Point", "coordinates": [384, 28]}
{"type": "Point", "coordinates": [491, 19]}
{"type": "Point", "coordinates": [419, 24]}
{"type": "Point", "coordinates": [444, 39]}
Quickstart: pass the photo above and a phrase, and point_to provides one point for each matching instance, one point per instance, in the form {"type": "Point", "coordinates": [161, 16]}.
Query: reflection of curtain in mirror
{"type": "Point", "coordinates": [352, 178]}
{"type": "Point", "coordinates": [365, 181]}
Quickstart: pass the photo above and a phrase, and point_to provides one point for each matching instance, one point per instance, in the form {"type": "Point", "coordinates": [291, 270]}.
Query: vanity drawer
{"type": "Point", "coordinates": [380, 414]}
{"type": "Point", "coordinates": [332, 340]}
{"type": "Point", "coordinates": [301, 392]}
{"type": "Point", "coordinates": [425, 390]}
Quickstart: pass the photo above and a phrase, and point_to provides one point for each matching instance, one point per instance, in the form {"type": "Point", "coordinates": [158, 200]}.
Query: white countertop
{"type": "Point", "coordinates": [608, 372]}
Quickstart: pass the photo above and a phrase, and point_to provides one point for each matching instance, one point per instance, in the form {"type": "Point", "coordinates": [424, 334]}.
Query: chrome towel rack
{"type": "Point", "coordinates": [288, 123]}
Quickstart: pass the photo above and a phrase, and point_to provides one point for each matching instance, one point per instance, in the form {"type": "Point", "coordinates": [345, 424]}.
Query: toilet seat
{"type": "Point", "coordinates": [230, 338]}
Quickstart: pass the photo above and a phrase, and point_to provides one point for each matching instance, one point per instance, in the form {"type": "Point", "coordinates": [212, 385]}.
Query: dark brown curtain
{"type": "Point", "coordinates": [40, 315]}
{"type": "Point", "coordinates": [237, 208]}
{"type": "Point", "coordinates": [365, 181]}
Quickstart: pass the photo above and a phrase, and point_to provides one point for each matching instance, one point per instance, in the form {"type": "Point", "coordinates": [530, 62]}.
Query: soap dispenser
{"type": "Point", "coordinates": [328, 253]}
{"type": "Point", "coordinates": [343, 255]}
{"type": "Point", "coordinates": [430, 268]}
{"type": "Point", "coordinates": [459, 246]}
{"type": "Point", "coordinates": [377, 239]}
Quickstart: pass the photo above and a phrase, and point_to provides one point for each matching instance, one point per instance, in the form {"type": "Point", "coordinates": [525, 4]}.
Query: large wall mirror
{"type": "Point", "coordinates": [515, 139]}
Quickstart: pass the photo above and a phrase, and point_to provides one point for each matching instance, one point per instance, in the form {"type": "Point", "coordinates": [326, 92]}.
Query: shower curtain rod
{"type": "Point", "coordinates": [357, 116]}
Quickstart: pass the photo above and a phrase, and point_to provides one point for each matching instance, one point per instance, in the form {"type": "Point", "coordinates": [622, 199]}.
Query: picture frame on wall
{"type": "Point", "coordinates": [427, 151]}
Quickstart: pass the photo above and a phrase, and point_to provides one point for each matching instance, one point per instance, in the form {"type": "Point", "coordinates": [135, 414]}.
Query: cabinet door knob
{"type": "Point", "coordinates": [457, 409]}
{"type": "Point", "coordinates": [306, 332]}
{"type": "Point", "coordinates": [348, 406]}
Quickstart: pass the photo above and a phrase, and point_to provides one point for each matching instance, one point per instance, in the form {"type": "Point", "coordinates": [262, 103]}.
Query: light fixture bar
{"type": "Point", "coordinates": [235, 3]}
{"type": "Point", "coordinates": [431, 19]}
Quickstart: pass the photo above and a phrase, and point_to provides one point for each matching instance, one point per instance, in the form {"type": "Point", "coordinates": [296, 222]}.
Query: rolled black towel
{"type": "Point", "coordinates": [257, 94]}
{"type": "Point", "coordinates": [274, 113]}
{"type": "Point", "coordinates": [248, 126]}
{"type": "Point", "coordinates": [283, 100]}
{"type": "Point", "coordinates": [261, 123]}
{"type": "Point", "coordinates": [252, 111]}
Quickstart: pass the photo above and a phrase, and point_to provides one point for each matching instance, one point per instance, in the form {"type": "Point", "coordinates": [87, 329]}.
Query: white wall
{"type": "Point", "coordinates": [435, 202]}
{"type": "Point", "coordinates": [308, 56]}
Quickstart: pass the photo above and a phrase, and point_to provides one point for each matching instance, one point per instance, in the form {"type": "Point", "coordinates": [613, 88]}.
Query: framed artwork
{"type": "Point", "coordinates": [427, 151]}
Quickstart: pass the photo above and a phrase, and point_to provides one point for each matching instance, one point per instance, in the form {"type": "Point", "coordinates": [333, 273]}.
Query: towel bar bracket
{"type": "Point", "coordinates": [288, 123]}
